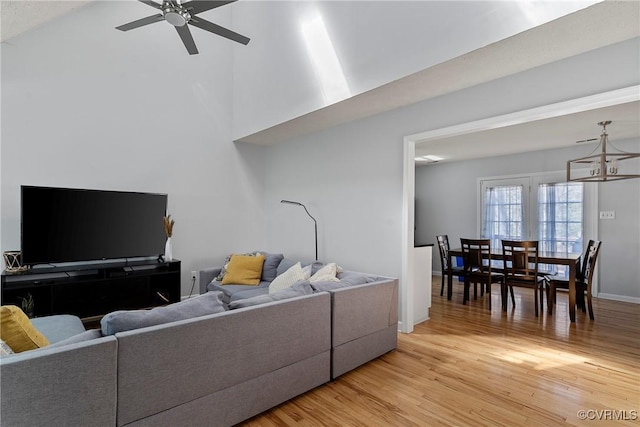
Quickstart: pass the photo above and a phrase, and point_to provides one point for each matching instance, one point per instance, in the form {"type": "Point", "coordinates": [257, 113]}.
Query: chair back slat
{"type": "Point", "coordinates": [589, 264]}
{"type": "Point", "coordinates": [520, 260]}
{"type": "Point", "coordinates": [476, 255]}
{"type": "Point", "coordinates": [443, 246]}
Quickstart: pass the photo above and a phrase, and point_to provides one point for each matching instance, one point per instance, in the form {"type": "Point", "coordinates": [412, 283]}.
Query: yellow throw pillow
{"type": "Point", "coordinates": [18, 332]}
{"type": "Point", "coordinates": [244, 270]}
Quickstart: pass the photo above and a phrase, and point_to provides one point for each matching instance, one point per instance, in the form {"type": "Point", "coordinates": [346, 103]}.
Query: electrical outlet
{"type": "Point", "coordinates": [194, 275]}
{"type": "Point", "coordinates": [607, 214]}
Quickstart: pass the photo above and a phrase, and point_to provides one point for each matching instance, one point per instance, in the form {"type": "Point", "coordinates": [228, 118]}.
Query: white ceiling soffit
{"type": "Point", "coordinates": [596, 26]}
{"type": "Point", "coordinates": [18, 16]}
{"type": "Point", "coordinates": [553, 126]}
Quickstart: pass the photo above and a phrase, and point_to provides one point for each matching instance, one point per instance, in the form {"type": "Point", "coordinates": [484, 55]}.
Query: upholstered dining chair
{"type": "Point", "coordinates": [521, 269]}
{"type": "Point", "coordinates": [476, 255]}
{"type": "Point", "coordinates": [447, 270]}
{"type": "Point", "coordinates": [584, 278]}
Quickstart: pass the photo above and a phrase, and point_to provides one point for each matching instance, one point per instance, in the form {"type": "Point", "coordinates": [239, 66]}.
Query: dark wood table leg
{"type": "Point", "coordinates": [449, 280]}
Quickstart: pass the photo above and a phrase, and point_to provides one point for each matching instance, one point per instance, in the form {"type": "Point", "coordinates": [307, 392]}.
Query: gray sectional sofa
{"type": "Point", "coordinates": [210, 370]}
{"type": "Point", "coordinates": [364, 311]}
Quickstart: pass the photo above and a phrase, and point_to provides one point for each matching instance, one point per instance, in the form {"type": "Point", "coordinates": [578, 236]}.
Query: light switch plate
{"type": "Point", "coordinates": [607, 215]}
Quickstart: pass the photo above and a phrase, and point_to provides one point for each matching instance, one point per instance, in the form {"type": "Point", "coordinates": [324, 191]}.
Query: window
{"type": "Point", "coordinates": [504, 208]}
{"type": "Point", "coordinates": [560, 217]}
{"type": "Point", "coordinates": [503, 214]}
{"type": "Point", "coordinates": [540, 207]}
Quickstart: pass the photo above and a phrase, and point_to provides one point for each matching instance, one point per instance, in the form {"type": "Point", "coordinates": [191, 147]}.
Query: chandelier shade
{"type": "Point", "coordinates": [602, 165]}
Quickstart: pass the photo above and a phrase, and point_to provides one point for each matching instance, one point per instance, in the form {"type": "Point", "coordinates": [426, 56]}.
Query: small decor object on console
{"type": "Point", "coordinates": [12, 262]}
{"type": "Point", "coordinates": [26, 304]}
{"type": "Point", "coordinates": [168, 230]}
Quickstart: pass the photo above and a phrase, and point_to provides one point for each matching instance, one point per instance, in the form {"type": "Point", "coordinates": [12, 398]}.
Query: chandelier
{"type": "Point", "coordinates": [602, 166]}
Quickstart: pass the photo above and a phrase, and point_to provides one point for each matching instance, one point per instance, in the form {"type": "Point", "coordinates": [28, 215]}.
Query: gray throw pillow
{"type": "Point", "coordinates": [126, 320]}
{"type": "Point", "coordinates": [284, 265]}
{"type": "Point", "coordinates": [301, 287]}
{"type": "Point", "coordinates": [270, 266]}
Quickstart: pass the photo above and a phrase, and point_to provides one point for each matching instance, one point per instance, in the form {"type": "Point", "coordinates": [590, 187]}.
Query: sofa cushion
{"type": "Point", "coordinates": [249, 293]}
{"type": "Point", "coordinates": [345, 280]}
{"type": "Point", "coordinates": [91, 334]}
{"type": "Point", "coordinates": [244, 270]}
{"type": "Point", "coordinates": [270, 266]}
{"type": "Point", "coordinates": [126, 320]}
{"type": "Point", "coordinates": [288, 278]}
{"type": "Point", "coordinates": [299, 288]}
{"type": "Point", "coordinates": [18, 332]}
{"type": "Point", "coordinates": [58, 327]}
{"type": "Point", "coordinates": [229, 290]}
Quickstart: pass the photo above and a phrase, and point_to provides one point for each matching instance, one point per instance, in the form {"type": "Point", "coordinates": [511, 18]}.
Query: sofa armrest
{"type": "Point", "coordinates": [70, 385]}
{"type": "Point", "coordinates": [207, 275]}
{"type": "Point", "coordinates": [364, 309]}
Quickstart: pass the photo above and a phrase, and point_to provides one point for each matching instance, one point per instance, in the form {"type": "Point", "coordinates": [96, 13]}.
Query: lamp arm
{"type": "Point", "coordinates": [315, 223]}
{"type": "Point", "coordinates": [315, 227]}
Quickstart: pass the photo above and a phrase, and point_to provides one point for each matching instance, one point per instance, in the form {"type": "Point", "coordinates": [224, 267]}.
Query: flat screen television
{"type": "Point", "coordinates": [73, 225]}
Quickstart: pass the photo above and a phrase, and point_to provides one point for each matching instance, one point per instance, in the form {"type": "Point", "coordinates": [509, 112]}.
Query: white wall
{"type": "Point", "coordinates": [447, 203]}
{"type": "Point", "coordinates": [351, 175]}
{"type": "Point", "coordinates": [348, 179]}
{"type": "Point", "coordinates": [374, 42]}
{"type": "Point", "coordinates": [87, 106]}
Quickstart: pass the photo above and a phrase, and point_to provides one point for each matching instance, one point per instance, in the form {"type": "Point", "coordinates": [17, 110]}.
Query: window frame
{"type": "Point", "coordinates": [530, 193]}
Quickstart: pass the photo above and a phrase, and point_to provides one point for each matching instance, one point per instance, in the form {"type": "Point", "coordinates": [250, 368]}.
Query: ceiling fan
{"type": "Point", "coordinates": [180, 14]}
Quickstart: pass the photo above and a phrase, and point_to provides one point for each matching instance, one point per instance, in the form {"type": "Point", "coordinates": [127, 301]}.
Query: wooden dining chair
{"type": "Point", "coordinates": [447, 270]}
{"type": "Point", "coordinates": [584, 279]}
{"type": "Point", "coordinates": [477, 268]}
{"type": "Point", "coordinates": [521, 269]}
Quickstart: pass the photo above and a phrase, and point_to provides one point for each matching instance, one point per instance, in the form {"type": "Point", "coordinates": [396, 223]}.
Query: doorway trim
{"type": "Point", "coordinates": [601, 100]}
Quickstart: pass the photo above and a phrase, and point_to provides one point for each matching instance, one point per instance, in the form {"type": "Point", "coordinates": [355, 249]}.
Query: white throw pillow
{"type": "Point", "coordinates": [5, 350]}
{"type": "Point", "coordinates": [288, 278]}
{"type": "Point", "coordinates": [325, 274]}
{"type": "Point", "coordinates": [307, 272]}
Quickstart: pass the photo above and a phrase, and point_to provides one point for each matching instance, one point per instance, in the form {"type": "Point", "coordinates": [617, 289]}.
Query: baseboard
{"type": "Point", "coordinates": [621, 298]}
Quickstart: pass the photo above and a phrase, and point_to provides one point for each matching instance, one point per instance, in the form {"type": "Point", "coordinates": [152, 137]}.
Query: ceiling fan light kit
{"type": "Point", "coordinates": [603, 166]}
{"type": "Point", "coordinates": [180, 14]}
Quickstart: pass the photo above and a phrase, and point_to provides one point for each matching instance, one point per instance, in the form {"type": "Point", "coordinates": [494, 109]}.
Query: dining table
{"type": "Point", "coordinates": [551, 258]}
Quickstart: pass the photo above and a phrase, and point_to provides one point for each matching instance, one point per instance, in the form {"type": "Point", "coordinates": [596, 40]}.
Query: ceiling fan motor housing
{"type": "Point", "coordinates": [174, 14]}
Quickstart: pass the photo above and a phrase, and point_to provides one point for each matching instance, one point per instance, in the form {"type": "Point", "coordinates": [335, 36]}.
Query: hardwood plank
{"type": "Point", "coordinates": [471, 366]}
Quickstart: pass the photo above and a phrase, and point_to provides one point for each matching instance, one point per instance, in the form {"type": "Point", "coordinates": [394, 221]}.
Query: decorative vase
{"type": "Point", "coordinates": [168, 253]}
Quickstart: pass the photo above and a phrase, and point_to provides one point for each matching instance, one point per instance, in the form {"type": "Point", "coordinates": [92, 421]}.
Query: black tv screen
{"type": "Point", "coordinates": [71, 225]}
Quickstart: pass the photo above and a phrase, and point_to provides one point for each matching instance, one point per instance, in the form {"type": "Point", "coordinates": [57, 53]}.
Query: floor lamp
{"type": "Point", "coordinates": [315, 223]}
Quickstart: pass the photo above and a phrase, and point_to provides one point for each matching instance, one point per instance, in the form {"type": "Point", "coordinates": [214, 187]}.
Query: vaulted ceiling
{"type": "Point", "coordinates": [599, 25]}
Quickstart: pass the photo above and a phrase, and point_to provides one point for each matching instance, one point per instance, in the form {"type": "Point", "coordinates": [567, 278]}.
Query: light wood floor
{"type": "Point", "coordinates": [468, 366]}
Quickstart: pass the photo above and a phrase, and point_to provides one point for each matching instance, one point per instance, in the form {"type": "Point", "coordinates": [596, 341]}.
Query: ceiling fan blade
{"type": "Point", "coordinates": [197, 6]}
{"type": "Point", "coordinates": [217, 29]}
{"type": "Point", "coordinates": [187, 39]}
{"type": "Point", "coordinates": [141, 22]}
{"type": "Point", "coordinates": [151, 3]}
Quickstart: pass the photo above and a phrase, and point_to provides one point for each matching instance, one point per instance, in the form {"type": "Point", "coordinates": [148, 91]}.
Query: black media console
{"type": "Point", "coordinates": [93, 290]}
